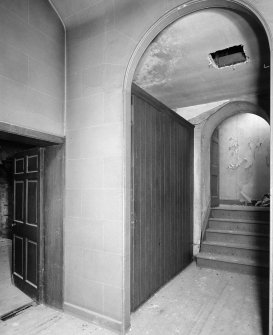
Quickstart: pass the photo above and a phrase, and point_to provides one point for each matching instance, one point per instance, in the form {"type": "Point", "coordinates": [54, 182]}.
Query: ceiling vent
{"type": "Point", "coordinates": [228, 57]}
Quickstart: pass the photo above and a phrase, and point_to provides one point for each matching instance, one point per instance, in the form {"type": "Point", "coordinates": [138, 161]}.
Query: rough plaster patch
{"type": "Point", "coordinates": [159, 61]}
{"type": "Point", "coordinates": [246, 162]}
{"type": "Point", "coordinates": [234, 152]}
{"type": "Point", "coordinates": [254, 145]}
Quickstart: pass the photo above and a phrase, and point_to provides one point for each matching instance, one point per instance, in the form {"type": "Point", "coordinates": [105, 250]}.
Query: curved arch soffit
{"type": "Point", "coordinates": [228, 110]}
{"type": "Point", "coordinates": [182, 11]}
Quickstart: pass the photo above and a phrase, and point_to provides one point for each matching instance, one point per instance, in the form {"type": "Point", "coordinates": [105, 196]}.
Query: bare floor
{"type": "Point", "coordinates": [10, 297]}
{"type": "Point", "coordinates": [196, 302]}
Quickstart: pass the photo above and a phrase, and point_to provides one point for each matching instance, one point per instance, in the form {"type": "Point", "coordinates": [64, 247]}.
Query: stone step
{"type": "Point", "coordinates": [257, 253]}
{"type": "Point", "coordinates": [241, 212]}
{"type": "Point", "coordinates": [232, 263]}
{"type": "Point", "coordinates": [239, 224]}
{"type": "Point", "coordinates": [239, 237]}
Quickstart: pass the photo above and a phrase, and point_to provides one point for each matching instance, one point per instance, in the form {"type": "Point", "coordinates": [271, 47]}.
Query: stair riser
{"type": "Point", "coordinates": [233, 267]}
{"type": "Point", "coordinates": [233, 238]}
{"type": "Point", "coordinates": [237, 252]}
{"type": "Point", "coordinates": [248, 227]}
{"type": "Point", "coordinates": [237, 214]}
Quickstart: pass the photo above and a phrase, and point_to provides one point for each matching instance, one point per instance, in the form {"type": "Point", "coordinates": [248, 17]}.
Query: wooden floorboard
{"type": "Point", "coordinates": [10, 297]}
{"type": "Point", "coordinates": [196, 302]}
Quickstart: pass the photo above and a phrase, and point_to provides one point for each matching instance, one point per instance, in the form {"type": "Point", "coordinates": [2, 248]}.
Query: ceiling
{"type": "Point", "coordinates": [177, 70]}
{"type": "Point", "coordinates": [75, 12]}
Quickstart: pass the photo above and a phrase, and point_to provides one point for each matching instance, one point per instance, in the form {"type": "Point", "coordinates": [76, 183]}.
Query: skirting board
{"type": "Point", "coordinates": [96, 318]}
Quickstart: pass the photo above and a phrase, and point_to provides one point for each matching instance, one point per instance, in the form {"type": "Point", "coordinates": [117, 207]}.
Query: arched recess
{"type": "Point", "coordinates": [228, 110]}
{"type": "Point", "coordinates": [202, 148]}
{"type": "Point", "coordinates": [184, 9]}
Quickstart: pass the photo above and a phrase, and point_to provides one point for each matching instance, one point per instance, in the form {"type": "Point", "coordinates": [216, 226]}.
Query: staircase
{"type": "Point", "coordinates": [236, 239]}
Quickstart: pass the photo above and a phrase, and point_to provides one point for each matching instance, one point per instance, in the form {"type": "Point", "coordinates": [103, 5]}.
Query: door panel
{"type": "Point", "coordinates": [26, 230]}
{"type": "Point", "coordinates": [32, 202]}
{"type": "Point", "coordinates": [19, 165]}
{"type": "Point", "coordinates": [18, 201]}
{"type": "Point", "coordinates": [18, 249]}
{"type": "Point", "coordinates": [31, 262]}
{"type": "Point", "coordinates": [214, 169]}
{"type": "Point", "coordinates": [162, 176]}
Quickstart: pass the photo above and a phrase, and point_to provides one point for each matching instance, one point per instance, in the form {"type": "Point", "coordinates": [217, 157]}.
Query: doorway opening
{"type": "Point", "coordinates": [31, 185]}
{"type": "Point", "coordinates": [11, 297]}
{"type": "Point", "coordinates": [237, 231]}
{"type": "Point", "coordinates": [156, 80]}
{"type": "Point", "coordinates": [239, 190]}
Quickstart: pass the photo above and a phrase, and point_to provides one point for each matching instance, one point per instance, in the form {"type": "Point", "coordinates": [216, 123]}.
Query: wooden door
{"type": "Point", "coordinates": [27, 222]}
{"type": "Point", "coordinates": [162, 201]}
{"type": "Point", "coordinates": [214, 168]}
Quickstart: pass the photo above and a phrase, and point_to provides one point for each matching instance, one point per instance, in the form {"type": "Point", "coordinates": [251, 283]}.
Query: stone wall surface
{"type": "Point", "coordinates": [31, 66]}
{"type": "Point", "coordinates": [100, 41]}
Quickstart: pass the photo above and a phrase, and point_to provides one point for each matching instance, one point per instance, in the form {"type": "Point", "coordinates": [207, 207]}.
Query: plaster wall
{"type": "Point", "coordinates": [99, 48]}
{"type": "Point", "coordinates": [205, 125]}
{"type": "Point", "coordinates": [205, 118]}
{"type": "Point", "coordinates": [244, 157]}
{"type": "Point", "coordinates": [31, 66]}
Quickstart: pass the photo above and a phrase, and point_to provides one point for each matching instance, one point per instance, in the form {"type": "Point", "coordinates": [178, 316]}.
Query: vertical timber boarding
{"type": "Point", "coordinates": [162, 195]}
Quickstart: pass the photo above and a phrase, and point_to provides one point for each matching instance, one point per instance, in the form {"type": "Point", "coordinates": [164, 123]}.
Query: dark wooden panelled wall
{"type": "Point", "coordinates": [162, 201]}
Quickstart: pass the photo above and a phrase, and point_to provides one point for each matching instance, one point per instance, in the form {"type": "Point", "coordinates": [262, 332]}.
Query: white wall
{"type": "Point", "coordinates": [31, 66]}
{"type": "Point", "coordinates": [99, 50]}
{"type": "Point", "coordinates": [244, 157]}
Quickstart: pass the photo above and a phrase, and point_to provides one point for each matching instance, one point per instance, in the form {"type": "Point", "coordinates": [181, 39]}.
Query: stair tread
{"type": "Point", "coordinates": [241, 208]}
{"type": "Point", "coordinates": [235, 232]}
{"type": "Point", "coordinates": [236, 245]}
{"type": "Point", "coordinates": [239, 220]}
{"type": "Point", "coordinates": [231, 259]}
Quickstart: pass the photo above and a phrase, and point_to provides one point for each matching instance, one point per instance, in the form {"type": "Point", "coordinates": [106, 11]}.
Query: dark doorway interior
{"type": "Point", "coordinates": [31, 217]}
{"type": "Point", "coordinates": [11, 297]}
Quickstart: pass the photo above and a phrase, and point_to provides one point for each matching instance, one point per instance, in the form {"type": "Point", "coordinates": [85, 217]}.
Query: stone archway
{"type": "Point", "coordinates": [162, 23]}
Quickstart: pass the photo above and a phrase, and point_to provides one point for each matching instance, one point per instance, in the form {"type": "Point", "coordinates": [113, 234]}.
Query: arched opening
{"type": "Point", "coordinates": [203, 142]}
{"type": "Point", "coordinates": [171, 17]}
{"type": "Point", "coordinates": [244, 159]}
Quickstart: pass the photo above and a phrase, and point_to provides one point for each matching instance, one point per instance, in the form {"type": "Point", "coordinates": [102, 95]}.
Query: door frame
{"type": "Point", "coordinates": [214, 168]}
{"type": "Point", "coordinates": [52, 211]}
{"type": "Point", "coordinates": [168, 18]}
{"type": "Point", "coordinates": [19, 230]}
